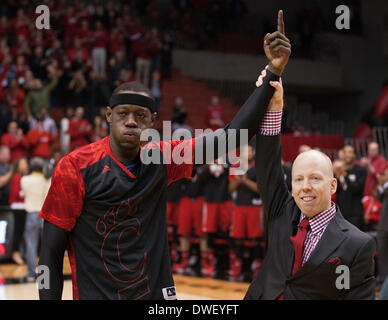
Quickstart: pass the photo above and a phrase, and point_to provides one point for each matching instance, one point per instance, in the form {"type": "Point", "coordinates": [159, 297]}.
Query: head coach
{"type": "Point", "coordinates": [312, 251]}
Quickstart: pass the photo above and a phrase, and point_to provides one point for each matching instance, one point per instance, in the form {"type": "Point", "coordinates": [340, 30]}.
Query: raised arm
{"type": "Point", "coordinates": [277, 49]}
{"type": "Point", "coordinates": [269, 172]}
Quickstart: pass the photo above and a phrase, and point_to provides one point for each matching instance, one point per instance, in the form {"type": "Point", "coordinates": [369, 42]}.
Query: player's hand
{"type": "Point", "coordinates": [276, 103]}
{"type": "Point", "coordinates": [277, 47]}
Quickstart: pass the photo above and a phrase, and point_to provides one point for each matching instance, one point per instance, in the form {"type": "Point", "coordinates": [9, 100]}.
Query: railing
{"type": "Point", "coordinates": [380, 135]}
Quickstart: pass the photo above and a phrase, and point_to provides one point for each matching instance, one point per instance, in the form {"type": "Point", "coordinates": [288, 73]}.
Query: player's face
{"type": "Point", "coordinates": [312, 183]}
{"type": "Point", "coordinates": [127, 123]}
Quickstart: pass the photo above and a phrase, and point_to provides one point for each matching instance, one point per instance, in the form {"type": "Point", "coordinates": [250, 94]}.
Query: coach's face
{"type": "Point", "coordinates": [313, 183]}
{"type": "Point", "coordinates": [127, 122]}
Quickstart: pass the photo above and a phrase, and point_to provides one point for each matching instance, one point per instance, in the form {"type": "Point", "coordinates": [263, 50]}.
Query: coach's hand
{"type": "Point", "coordinates": [276, 103]}
{"type": "Point", "coordinates": [277, 48]}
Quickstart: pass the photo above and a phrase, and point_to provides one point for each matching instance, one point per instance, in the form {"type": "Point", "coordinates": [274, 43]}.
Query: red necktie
{"type": "Point", "coordinates": [298, 242]}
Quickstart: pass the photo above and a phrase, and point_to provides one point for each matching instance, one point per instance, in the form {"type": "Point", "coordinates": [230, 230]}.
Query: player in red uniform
{"type": "Point", "coordinates": [189, 221]}
{"type": "Point", "coordinates": [108, 208]}
{"type": "Point", "coordinates": [217, 212]}
{"type": "Point", "coordinates": [246, 220]}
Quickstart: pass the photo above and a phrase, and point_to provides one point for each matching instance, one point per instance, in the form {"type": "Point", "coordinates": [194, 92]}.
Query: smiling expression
{"type": "Point", "coordinates": [313, 183]}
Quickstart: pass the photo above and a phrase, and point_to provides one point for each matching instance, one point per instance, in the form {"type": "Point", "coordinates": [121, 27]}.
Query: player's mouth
{"type": "Point", "coordinates": [131, 135]}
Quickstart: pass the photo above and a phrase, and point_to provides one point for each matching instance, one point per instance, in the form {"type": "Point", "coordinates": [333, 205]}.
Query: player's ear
{"type": "Point", "coordinates": [108, 114]}
{"type": "Point", "coordinates": [153, 118]}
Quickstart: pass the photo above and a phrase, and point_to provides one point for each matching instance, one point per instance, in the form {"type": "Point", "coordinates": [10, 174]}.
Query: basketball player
{"type": "Point", "coordinates": [246, 219]}
{"type": "Point", "coordinates": [108, 208]}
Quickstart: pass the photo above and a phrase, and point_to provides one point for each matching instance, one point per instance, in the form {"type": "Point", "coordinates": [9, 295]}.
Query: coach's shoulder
{"type": "Point", "coordinates": [359, 239]}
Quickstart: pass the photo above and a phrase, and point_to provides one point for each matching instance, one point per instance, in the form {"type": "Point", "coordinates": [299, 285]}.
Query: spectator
{"type": "Point", "coordinates": [116, 41]}
{"type": "Point", "coordinates": [75, 49]}
{"type": "Point", "coordinates": [49, 124]}
{"type": "Point", "coordinates": [38, 63]}
{"type": "Point", "coordinates": [215, 115]}
{"type": "Point", "coordinates": [85, 34]}
{"type": "Point", "coordinates": [16, 201]}
{"type": "Point", "coordinates": [374, 164]}
{"type": "Point", "coordinates": [15, 96]}
{"type": "Point", "coordinates": [141, 50]}
{"type": "Point", "coordinates": [117, 63]}
{"type": "Point", "coordinates": [299, 129]}
{"type": "Point", "coordinates": [78, 88]}
{"type": "Point", "coordinates": [125, 75]}
{"type": "Point", "coordinates": [6, 172]}
{"type": "Point", "coordinates": [99, 54]}
{"type": "Point", "coordinates": [99, 130]}
{"type": "Point", "coordinates": [351, 181]}
{"type": "Point", "coordinates": [80, 130]}
{"type": "Point", "coordinates": [179, 114]}
{"type": "Point", "coordinates": [64, 130]}
{"type": "Point", "coordinates": [4, 26]}
{"type": "Point", "coordinates": [156, 46]}
{"type": "Point", "coordinates": [303, 148]}
{"type": "Point", "coordinates": [39, 96]}
{"type": "Point", "coordinates": [166, 56]}
{"type": "Point", "coordinates": [21, 69]}
{"type": "Point", "coordinates": [15, 140]}
{"type": "Point", "coordinates": [40, 141]}
{"type": "Point", "coordinates": [156, 89]}
{"type": "Point", "coordinates": [35, 188]}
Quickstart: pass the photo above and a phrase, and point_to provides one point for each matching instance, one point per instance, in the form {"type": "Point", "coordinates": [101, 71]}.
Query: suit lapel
{"type": "Point", "coordinates": [331, 239]}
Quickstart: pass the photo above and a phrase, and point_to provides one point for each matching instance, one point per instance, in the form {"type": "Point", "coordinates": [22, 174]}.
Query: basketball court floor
{"type": "Point", "coordinates": [13, 286]}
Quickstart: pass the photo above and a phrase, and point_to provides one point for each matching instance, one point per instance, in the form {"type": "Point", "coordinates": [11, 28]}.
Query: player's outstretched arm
{"type": "Point", "coordinates": [278, 50]}
{"type": "Point", "coordinates": [269, 171]}
{"type": "Point", "coordinates": [54, 244]}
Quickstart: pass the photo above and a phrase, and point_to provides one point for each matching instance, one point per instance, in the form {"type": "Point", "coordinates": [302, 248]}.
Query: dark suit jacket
{"type": "Point", "coordinates": [317, 278]}
{"type": "Point", "coordinates": [383, 222]}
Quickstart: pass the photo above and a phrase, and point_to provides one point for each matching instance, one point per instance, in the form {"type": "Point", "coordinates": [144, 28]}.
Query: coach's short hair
{"type": "Point", "coordinates": [134, 86]}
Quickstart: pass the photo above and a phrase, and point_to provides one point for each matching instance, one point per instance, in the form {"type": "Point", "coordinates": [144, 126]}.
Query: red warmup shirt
{"type": "Point", "coordinates": [18, 148]}
{"type": "Point", "coordinates": [141, 48]}
{"type": "Point", "coordinates": [16, 196]}
{"type": "Point", "coordinates": [379, 164]}
{"type": "Point", "coordinates": [71, 54]}
{"type": "Point", "coordinates": [17, 100]}
{"type": "Point", "coordinates": [41, 143]}
{"type": "Point", "coordinates": [20, 26]}
{"type": "Point", "coordinates": [80, 131]}
{"type": "Point", "coordinates": [372, 209]}
{"type": "Point", "coordinates": [214, 113]}
{"type": "Point", "coordinates": [101, 39]}
{"type": "Point", "coordinates": [85, 35]}
{"type": "Point", "coordinates": [116, 41]}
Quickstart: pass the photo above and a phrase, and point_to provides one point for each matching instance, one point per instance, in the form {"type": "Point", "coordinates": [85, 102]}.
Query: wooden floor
{"type": "Point", "coordinates": [188, 288]}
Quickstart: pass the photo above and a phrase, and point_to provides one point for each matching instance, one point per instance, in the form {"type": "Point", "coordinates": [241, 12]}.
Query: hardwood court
{"type": "Point", "coordinates": [188, 288]}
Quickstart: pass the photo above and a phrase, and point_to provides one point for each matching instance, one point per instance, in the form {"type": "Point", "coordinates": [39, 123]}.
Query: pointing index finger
{"type": "Point", "coordinates": [280, 22]}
